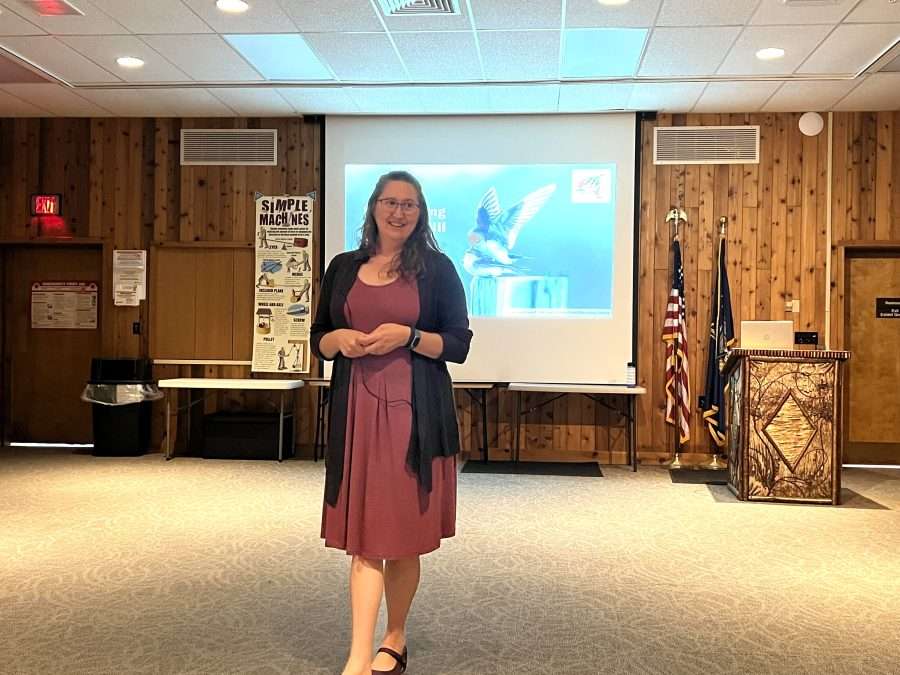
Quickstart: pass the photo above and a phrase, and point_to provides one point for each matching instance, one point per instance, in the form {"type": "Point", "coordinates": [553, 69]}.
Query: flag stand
{"type": "Point", "coordinates": [677, 215]}
{"type": "Point", "coordinates": [717, 463]}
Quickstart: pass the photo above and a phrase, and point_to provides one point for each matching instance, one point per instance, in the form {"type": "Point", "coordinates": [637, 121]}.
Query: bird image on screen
{"type": "Point", "coordinates": [527, 240]}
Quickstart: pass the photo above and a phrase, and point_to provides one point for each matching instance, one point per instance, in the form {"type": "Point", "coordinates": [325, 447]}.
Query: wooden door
{"type": "Point", "coordinates": [873, 424]}
{"type": "Point", "coordinates": [46, 369]}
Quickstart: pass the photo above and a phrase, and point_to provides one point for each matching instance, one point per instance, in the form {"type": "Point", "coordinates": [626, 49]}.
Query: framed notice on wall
{"type": "Point", "coordinates": [64, 304]}
{"type": "Point", "coordinates": [283, 280]}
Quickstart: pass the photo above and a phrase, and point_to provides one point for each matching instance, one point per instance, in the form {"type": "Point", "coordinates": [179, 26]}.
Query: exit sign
{"type": "Point", "coordinates": [46, 205]}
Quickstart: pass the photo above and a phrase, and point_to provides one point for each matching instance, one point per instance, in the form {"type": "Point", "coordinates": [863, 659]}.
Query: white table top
{"type": "Point", "coordinates": [457, 384]}
{"type": "Point", "coordinates": [578, 388]}
{"type": "Point", "coordinates": [228, 383]}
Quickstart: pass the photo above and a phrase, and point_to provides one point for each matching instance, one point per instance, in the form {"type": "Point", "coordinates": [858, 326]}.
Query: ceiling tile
{"type": "Point", "coordinates": [13, 106]}
{"type": "Point", "coordinates": [880, 91]}
{"type": "Point", "coordinates": [741, 60]}
{"type": "Point", "coordinates": [535, 98]}
{"type": "Point", "coordinates": [319, 100]}
{"type": "Point", "coordinates": [57, 58]}
{"type": "Point", "coordinates": [334, 16]}
{"type": "Point", "coordinates": [159, 102]}
{"type": "Point", "coordinates": [705, 12]}
{"type": "Point", "coordinates": [593, 97]}
{"type": "Point", "coordinates": [500, 15]}
{"type": "Point", "coordinates": [439, 22]}
{"type": "Point", "coordinates": [56, 99]}
{"type": "Point", "coordinates": [875, 11]}
{"type": "Point", "coordinates": [850, 48]}
{"type": "Point", "coordinates": [680, 52]}
{"type": "Point", "coordinates": [253, 101]}
{"type": "Point", "coordinates": [206, 58]}
{"type": "Point", "coordinates": [265, 16]}
{"type": "Point", "coordinates": [280, 56]}
{"type": "Point", "coordinates": [433, 57]}
{"type": "Point", "coordinates": [803, 96]}
{"type": "Point", "coordinates": [451, 100]}
{"type": "Point", "coordinates": [520, 55]}
{"type": "Point", "coordinates": [591, 14]}
{"type": "Point", "coordinates": [341, 51]}
{"type": "Point", "coordinates": [665, 96]}
{"type": "Point", "coordinates": [105, 49]}
{"type": "Point", "coordinates": [158, 16]}
{"type": "Point", "coordinates": [734, 96]}
{"type": "Point", "coordinates": [94, 22]}
{"type": "Point", "coordinates": [12, 24]}
{"type": "Point", "coordinates": [775, 12]}
{"type": "Point", "coordinates": [602, 52]}
{"type": "Point", "coordinates": [387, 100]}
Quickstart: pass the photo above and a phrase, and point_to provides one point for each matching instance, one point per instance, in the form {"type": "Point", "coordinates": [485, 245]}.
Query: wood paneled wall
{"type": "Point", "coordinates": [122, 183]}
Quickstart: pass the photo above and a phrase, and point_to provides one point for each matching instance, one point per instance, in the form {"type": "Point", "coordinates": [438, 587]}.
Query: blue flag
{"type": "Point", "coordinates": [721, 337]}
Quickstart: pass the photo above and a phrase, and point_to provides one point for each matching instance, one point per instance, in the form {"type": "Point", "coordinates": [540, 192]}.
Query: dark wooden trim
{"type": "Point", "coordinates": [202, 244]}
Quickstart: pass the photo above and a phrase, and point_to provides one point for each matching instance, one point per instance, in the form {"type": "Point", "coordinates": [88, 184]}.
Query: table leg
{"type": "Point", "coordinates": [168, 433]}
{"type": "Point", "coordinates": [319, 424]}
{"type": "Point", "coordinates": [518, 431]}
{"type": "Point", "coordinates": [484, 422]}
{"type": "Point", "coordinates": [632, 450]}
{"type": "Point", "coordinates": [280, 425]}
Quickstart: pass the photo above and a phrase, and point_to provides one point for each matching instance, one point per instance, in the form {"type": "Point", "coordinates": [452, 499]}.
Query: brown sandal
{"type": "Point", "coordinates": [399, 658]}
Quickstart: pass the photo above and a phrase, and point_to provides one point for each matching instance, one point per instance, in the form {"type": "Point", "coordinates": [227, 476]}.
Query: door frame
{"type": "Point", "coordinates": [847, 250]}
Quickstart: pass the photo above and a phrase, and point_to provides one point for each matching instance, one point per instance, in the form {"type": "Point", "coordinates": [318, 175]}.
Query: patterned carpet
{"type": "Point", "coordinates": [135, 565]}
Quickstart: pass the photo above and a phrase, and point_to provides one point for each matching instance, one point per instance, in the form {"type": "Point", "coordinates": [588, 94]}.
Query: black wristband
{"type": "Point", "coordinates": [412, 335]}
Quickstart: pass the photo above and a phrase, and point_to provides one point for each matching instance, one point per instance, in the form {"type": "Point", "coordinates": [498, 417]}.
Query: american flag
{"type": "Point", "coordinates": [678, 384]}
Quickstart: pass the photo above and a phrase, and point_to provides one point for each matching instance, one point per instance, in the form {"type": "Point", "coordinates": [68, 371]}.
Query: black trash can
{"type": "Point", "coordinates": [121, 392]}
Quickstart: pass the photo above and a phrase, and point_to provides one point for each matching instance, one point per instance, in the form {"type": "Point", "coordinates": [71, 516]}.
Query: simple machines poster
{"type": "Point", "coordinates": [283, 284]}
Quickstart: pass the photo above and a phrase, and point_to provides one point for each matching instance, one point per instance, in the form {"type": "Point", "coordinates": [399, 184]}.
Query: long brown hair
{"type": "Point", "coordinates": [411, 261]}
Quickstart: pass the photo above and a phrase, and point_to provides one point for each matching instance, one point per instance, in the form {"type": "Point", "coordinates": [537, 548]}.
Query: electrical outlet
{"type": "Point", "coordinates": [136, 328]}
{"type": "Point", "coordinates": [792, 306]}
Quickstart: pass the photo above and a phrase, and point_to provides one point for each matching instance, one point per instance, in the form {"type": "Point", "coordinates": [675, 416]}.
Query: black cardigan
{"type": "Point", "coordinates": [442, 310]}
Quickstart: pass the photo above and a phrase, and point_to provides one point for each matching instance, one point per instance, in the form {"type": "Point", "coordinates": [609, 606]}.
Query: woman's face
{"type": "Point", "coordinates": [396, 212]}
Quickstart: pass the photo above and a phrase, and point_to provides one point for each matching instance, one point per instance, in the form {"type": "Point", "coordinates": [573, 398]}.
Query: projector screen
{"type": "Point", "coordinates": [537, 215]}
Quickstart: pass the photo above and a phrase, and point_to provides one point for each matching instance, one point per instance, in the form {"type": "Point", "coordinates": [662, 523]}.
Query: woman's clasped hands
{"type": "Point", "coordinates": [386, 338]}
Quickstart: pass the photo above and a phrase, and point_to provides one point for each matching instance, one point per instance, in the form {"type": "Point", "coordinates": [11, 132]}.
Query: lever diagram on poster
{"type": "Point", "coordinates": [283, 280]}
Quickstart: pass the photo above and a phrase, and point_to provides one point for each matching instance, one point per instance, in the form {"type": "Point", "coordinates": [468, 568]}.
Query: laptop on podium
{"type": "Point", "coordinates": [767, 334]}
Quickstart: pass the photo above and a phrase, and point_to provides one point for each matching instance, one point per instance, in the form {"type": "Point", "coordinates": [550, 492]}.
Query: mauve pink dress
{"type": "Point", "coordinates": [381, 512]}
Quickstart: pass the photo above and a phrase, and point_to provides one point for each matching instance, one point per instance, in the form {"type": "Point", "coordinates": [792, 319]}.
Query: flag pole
{"type": "Point", "coordinates": [677, 215]}
{"type": "Point", "coordinates": [716, 462]}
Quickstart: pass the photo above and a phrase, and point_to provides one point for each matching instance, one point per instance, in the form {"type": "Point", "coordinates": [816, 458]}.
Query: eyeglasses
{"type": "Point", "coordinates": [407, 206]}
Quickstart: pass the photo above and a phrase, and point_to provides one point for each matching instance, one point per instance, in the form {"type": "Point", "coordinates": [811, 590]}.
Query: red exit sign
{"type": "Point", "coordinates": [46, 205]}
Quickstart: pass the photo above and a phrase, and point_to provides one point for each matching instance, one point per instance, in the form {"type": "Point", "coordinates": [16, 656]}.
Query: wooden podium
{"type": "Point", "coordinates": [784, 424]}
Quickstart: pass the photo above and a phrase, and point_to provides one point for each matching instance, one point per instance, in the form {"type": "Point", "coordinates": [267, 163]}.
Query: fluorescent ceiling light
{"type": "Point", "coordinates": [602, 52]}
{"type": "Point", "coordinates": [283, 56]}
{"type": "Point", "coordinates": [232, 6]}
{"type": "Point", "coordinates": [130, 62]}
{"type": "Point", "coordinates": [770, 53]}
{"type": "Point", "coordinates": [614, 3]}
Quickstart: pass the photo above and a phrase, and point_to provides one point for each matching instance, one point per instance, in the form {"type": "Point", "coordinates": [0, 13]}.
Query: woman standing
{"type": "Point", "coordinates": [390, 314]}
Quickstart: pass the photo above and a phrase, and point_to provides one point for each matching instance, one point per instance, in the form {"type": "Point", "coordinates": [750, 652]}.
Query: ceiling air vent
{"type": "Point", "coordinates": [251, 147]}
{"type": "Point", "coordinates": [706, 145]}
{"type": "Point", "coordinates": [53, 7]}
{"type": "Point", "coordinates": [418, 7]}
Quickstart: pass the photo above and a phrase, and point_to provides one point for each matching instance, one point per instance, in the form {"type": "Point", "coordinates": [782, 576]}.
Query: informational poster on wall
{"type": "Point", "coordinates": [129, 277]}
{"type": "Point", "coordinates": [64, 305]}
{"type": "Point", "coordinates": [283, 278]}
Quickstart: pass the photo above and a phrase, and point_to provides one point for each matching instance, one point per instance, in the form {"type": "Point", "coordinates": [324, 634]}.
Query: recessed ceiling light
{"type": "Point", "coordinates": [232, 6]}
{"type": "Point", "coordinates": [130, 62]}
{"type": "Point", "coordinates": [769, 53]}
{"type": "Point", "coordinates": [613, 3]}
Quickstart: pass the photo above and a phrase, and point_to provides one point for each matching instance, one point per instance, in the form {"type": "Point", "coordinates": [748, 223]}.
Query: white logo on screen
{"type": "Point", "coordinates": [591, 186]}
